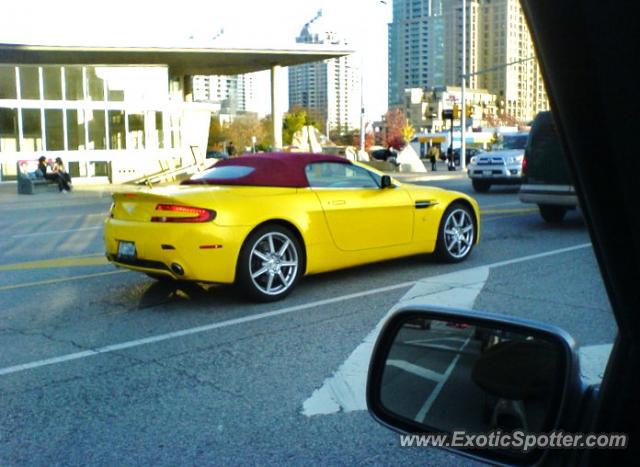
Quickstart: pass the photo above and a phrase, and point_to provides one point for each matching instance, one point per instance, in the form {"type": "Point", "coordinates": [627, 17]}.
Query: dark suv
{"type": "Point", "coordinates": [546, 181]}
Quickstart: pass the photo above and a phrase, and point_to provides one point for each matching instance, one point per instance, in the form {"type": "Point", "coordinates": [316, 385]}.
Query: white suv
{"type": "Point", "coordinates": [500, 167]}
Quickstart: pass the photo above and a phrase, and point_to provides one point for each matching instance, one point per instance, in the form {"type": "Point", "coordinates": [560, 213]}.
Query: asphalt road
{"type": "Point", "coordinates": [104, 367]}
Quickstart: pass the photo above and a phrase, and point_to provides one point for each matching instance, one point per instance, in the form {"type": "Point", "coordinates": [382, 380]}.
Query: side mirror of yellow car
{"type": "Point", "coordinates": [385, 182]}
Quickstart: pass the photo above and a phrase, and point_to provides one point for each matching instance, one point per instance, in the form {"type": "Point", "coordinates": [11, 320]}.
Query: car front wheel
{"type": "Point", "coordinates": [456, 233]}
{"type": "Point", "coordinates": [270, 263]}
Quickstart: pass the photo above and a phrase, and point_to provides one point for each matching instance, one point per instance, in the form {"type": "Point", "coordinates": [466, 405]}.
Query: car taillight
{"type": "Point", "coordinates": [524, 165]}
{"type": "Point", "coordinates": [195, 214]}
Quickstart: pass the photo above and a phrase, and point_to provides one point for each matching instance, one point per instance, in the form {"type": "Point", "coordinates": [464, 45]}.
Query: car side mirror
{"type": "Point", "coordinates": [385, 182]}
{"type": "Point", "coordinates": [437, 371]}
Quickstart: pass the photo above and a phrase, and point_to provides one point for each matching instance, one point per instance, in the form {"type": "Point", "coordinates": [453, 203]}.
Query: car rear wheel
{"type": "Point", "coordinates": [270, 263]}
{"type": "Point", "coordinates": [456, 233]}
{"type": "Point", "coordinates": [552, 214]}
{"type": "Point", "coordinates": [481, 186]}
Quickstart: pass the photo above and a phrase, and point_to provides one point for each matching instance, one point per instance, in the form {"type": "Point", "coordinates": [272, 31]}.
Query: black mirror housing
{"type": "Point", "coordinates": [444, 371]}
{"type": "Point", "coordinates": [385, 182]}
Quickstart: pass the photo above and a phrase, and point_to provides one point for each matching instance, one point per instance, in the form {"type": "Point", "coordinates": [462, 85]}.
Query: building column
{"type": "Point", "coordinates": [276, 113]}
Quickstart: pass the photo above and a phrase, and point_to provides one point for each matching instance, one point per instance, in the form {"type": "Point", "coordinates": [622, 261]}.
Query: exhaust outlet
{"type": "Point", "coordinates": [176, 268]}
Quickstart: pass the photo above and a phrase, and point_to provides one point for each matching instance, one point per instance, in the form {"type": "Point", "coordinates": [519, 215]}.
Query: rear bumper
{"type": "Point", "coordinates": [558, 195]}
{"type": "Point", "coordinates": [206, 252]}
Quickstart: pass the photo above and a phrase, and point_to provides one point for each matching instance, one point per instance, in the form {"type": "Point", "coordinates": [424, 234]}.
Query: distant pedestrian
{"type": "Point", "coordinates": [450, 162]}
{"type": "Point", "coordinates": [433, 157]}
{"type": "Point", "coordinates": [231, 149]}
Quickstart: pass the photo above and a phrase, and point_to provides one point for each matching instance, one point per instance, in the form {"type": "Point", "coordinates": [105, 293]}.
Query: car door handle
{"type": "Point", "coordinates": [337, 202]}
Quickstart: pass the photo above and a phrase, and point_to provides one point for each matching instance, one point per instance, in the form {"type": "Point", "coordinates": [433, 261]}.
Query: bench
{"type": "Point", "coordinates": [27, 179]}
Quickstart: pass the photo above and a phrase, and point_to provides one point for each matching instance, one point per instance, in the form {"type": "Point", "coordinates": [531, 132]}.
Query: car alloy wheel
{"type": "Point", "coordinates": [273, 263]}
{"type": "Point", "coordinates": [457, 233]}
{"type": "Point", "coordinates": [270, 263]}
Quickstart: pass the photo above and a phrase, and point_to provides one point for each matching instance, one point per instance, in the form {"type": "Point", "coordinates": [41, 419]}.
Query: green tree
{"type": "Point", "coordinates": [294, 120]}
{"type": "Point", "coordinates": [242, 128]}
{"type": "Point", "coordinates": [217, 135]}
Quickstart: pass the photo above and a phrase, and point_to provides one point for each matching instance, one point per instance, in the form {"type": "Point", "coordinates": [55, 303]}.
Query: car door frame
{"type": "Point", "coordinates": [588, 80]}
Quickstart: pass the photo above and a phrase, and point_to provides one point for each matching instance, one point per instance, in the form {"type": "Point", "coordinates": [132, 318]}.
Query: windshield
{"type": "Point", "coordinates": [514, 141]}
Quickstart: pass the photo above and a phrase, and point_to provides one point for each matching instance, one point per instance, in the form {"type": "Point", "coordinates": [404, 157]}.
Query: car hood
{"type": "Point", "coordinates": [505, 153]}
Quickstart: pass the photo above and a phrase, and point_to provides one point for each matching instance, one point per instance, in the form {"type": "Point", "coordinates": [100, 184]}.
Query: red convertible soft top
{"type": "Point", "coordinates": [279, 169]}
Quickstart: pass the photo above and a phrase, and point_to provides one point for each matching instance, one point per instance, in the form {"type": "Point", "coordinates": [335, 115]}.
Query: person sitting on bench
{"type": "Point", "coordinates": [63, 186]}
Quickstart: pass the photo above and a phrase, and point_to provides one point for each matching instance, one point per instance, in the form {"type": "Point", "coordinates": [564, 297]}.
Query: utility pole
{"type": "Point", "coordinates": [463, 113]}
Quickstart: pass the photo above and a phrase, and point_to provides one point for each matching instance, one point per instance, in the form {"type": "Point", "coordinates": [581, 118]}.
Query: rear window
{"type": "Point", "coordinates": [227, 172]}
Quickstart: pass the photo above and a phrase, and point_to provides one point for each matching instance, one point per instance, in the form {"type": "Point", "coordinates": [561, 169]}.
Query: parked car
{"type": "Point", "coordinates": [469, 153]}
{"type": "Point", "coordinates": [592, 108]}
{"type": "Point", "coordinates": [500, 167]}
{"type": "Point", "coordinates": [248, 220]}
{"type": "Point", "coordinates": [547, 181]}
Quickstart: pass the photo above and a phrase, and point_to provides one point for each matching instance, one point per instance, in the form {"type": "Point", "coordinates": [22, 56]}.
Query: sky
{"type": "Point", "coordinates": [252, 23]}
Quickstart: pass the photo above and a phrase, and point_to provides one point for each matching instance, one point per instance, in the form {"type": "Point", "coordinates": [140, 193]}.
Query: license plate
{"type": "Point", "coordinates": [126, 250]}
{"type": "Point", "coordinates": [487, 172]}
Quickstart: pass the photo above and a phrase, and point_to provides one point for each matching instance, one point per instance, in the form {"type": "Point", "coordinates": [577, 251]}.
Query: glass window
{"type": "Point", "coordinates": [29, 82]}
{"type": "Point", "coordinates": [75, 130]}
{"type": "Point", "coordinates": [31, 130]}
{"type": "Point", "coordinates": [9, 138]}
{"type": "Point", "coordinates": [155, 129]}
{"type": "Point", "coordinates": [175, 130]}
{"type": "Point", "coordinates": [97, 132]}
{"type": "Point", "coordinates": [95, 85]}
{"type": "Point", "coordinates": [8, 82]}
{"type": "Point", "coordinates": [73, 83]}
{"type": "Point", "coordinates": [228, 172]}
{"type": "Point", "coordinates": [339, 175]}
{"type": "Point", "coordinates": [117, 134]}
{"type": "Point", "coordinates": [136, 130]}
{"type": "Point", "coordinates": [52, 82]}
{"type": "Point", "coordinates": [54, 133]}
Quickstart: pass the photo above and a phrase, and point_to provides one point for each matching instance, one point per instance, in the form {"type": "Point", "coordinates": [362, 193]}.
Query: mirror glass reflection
{"type": "Point", "coordinates": [450, 376]}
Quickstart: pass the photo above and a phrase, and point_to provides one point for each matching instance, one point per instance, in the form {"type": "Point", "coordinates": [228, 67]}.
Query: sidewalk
{"type": "Point", "coordinates": [442, 173]}
{"type": "Point", "coordinates": [87, 192]}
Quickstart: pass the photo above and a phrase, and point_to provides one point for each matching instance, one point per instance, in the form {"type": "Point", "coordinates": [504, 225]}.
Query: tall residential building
{"type": "Point", "coordinates": [497, 35]}
{"type": "Point", "coordinates": [330, 90]}
{"type": "Point", "coordinates": [425, 51]}
{"type": "Point", "coordinates": [416, 47]}
{"type": "Point", "coordinates": [506, 39]}
{"type": "Point", "coordinates": [234, 93]}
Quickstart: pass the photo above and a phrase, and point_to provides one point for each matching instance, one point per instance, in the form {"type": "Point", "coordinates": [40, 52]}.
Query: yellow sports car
{"type": "Point", "coordinates": [263, 221]}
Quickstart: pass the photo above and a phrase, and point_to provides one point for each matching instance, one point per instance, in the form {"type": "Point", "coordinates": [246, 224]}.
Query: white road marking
{"type": "Point", "coordinates": [424, 410]}
{"type": "Point", "coordinates": [345, 390]}
{"type": "Point", "coordinates": [52, 232]}
{"type": "Point", "coordinates": [593, 361]}
{"type": "Point", "coordinates": [194, 330]}
{"type": "Point", "coordinates": [416, 370]}
{"type": "Point", "coordinates": [426, 284]}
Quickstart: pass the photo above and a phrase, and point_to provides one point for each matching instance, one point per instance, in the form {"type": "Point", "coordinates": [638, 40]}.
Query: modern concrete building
{"type": "Point", "coordinates": [330, 90]}
{"type": "Point", "coordinates": [119, 113]}
{"type": "Point", "coordinates": [416, 47]}
{"type": "Point", "coordinates": [423, 108]}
